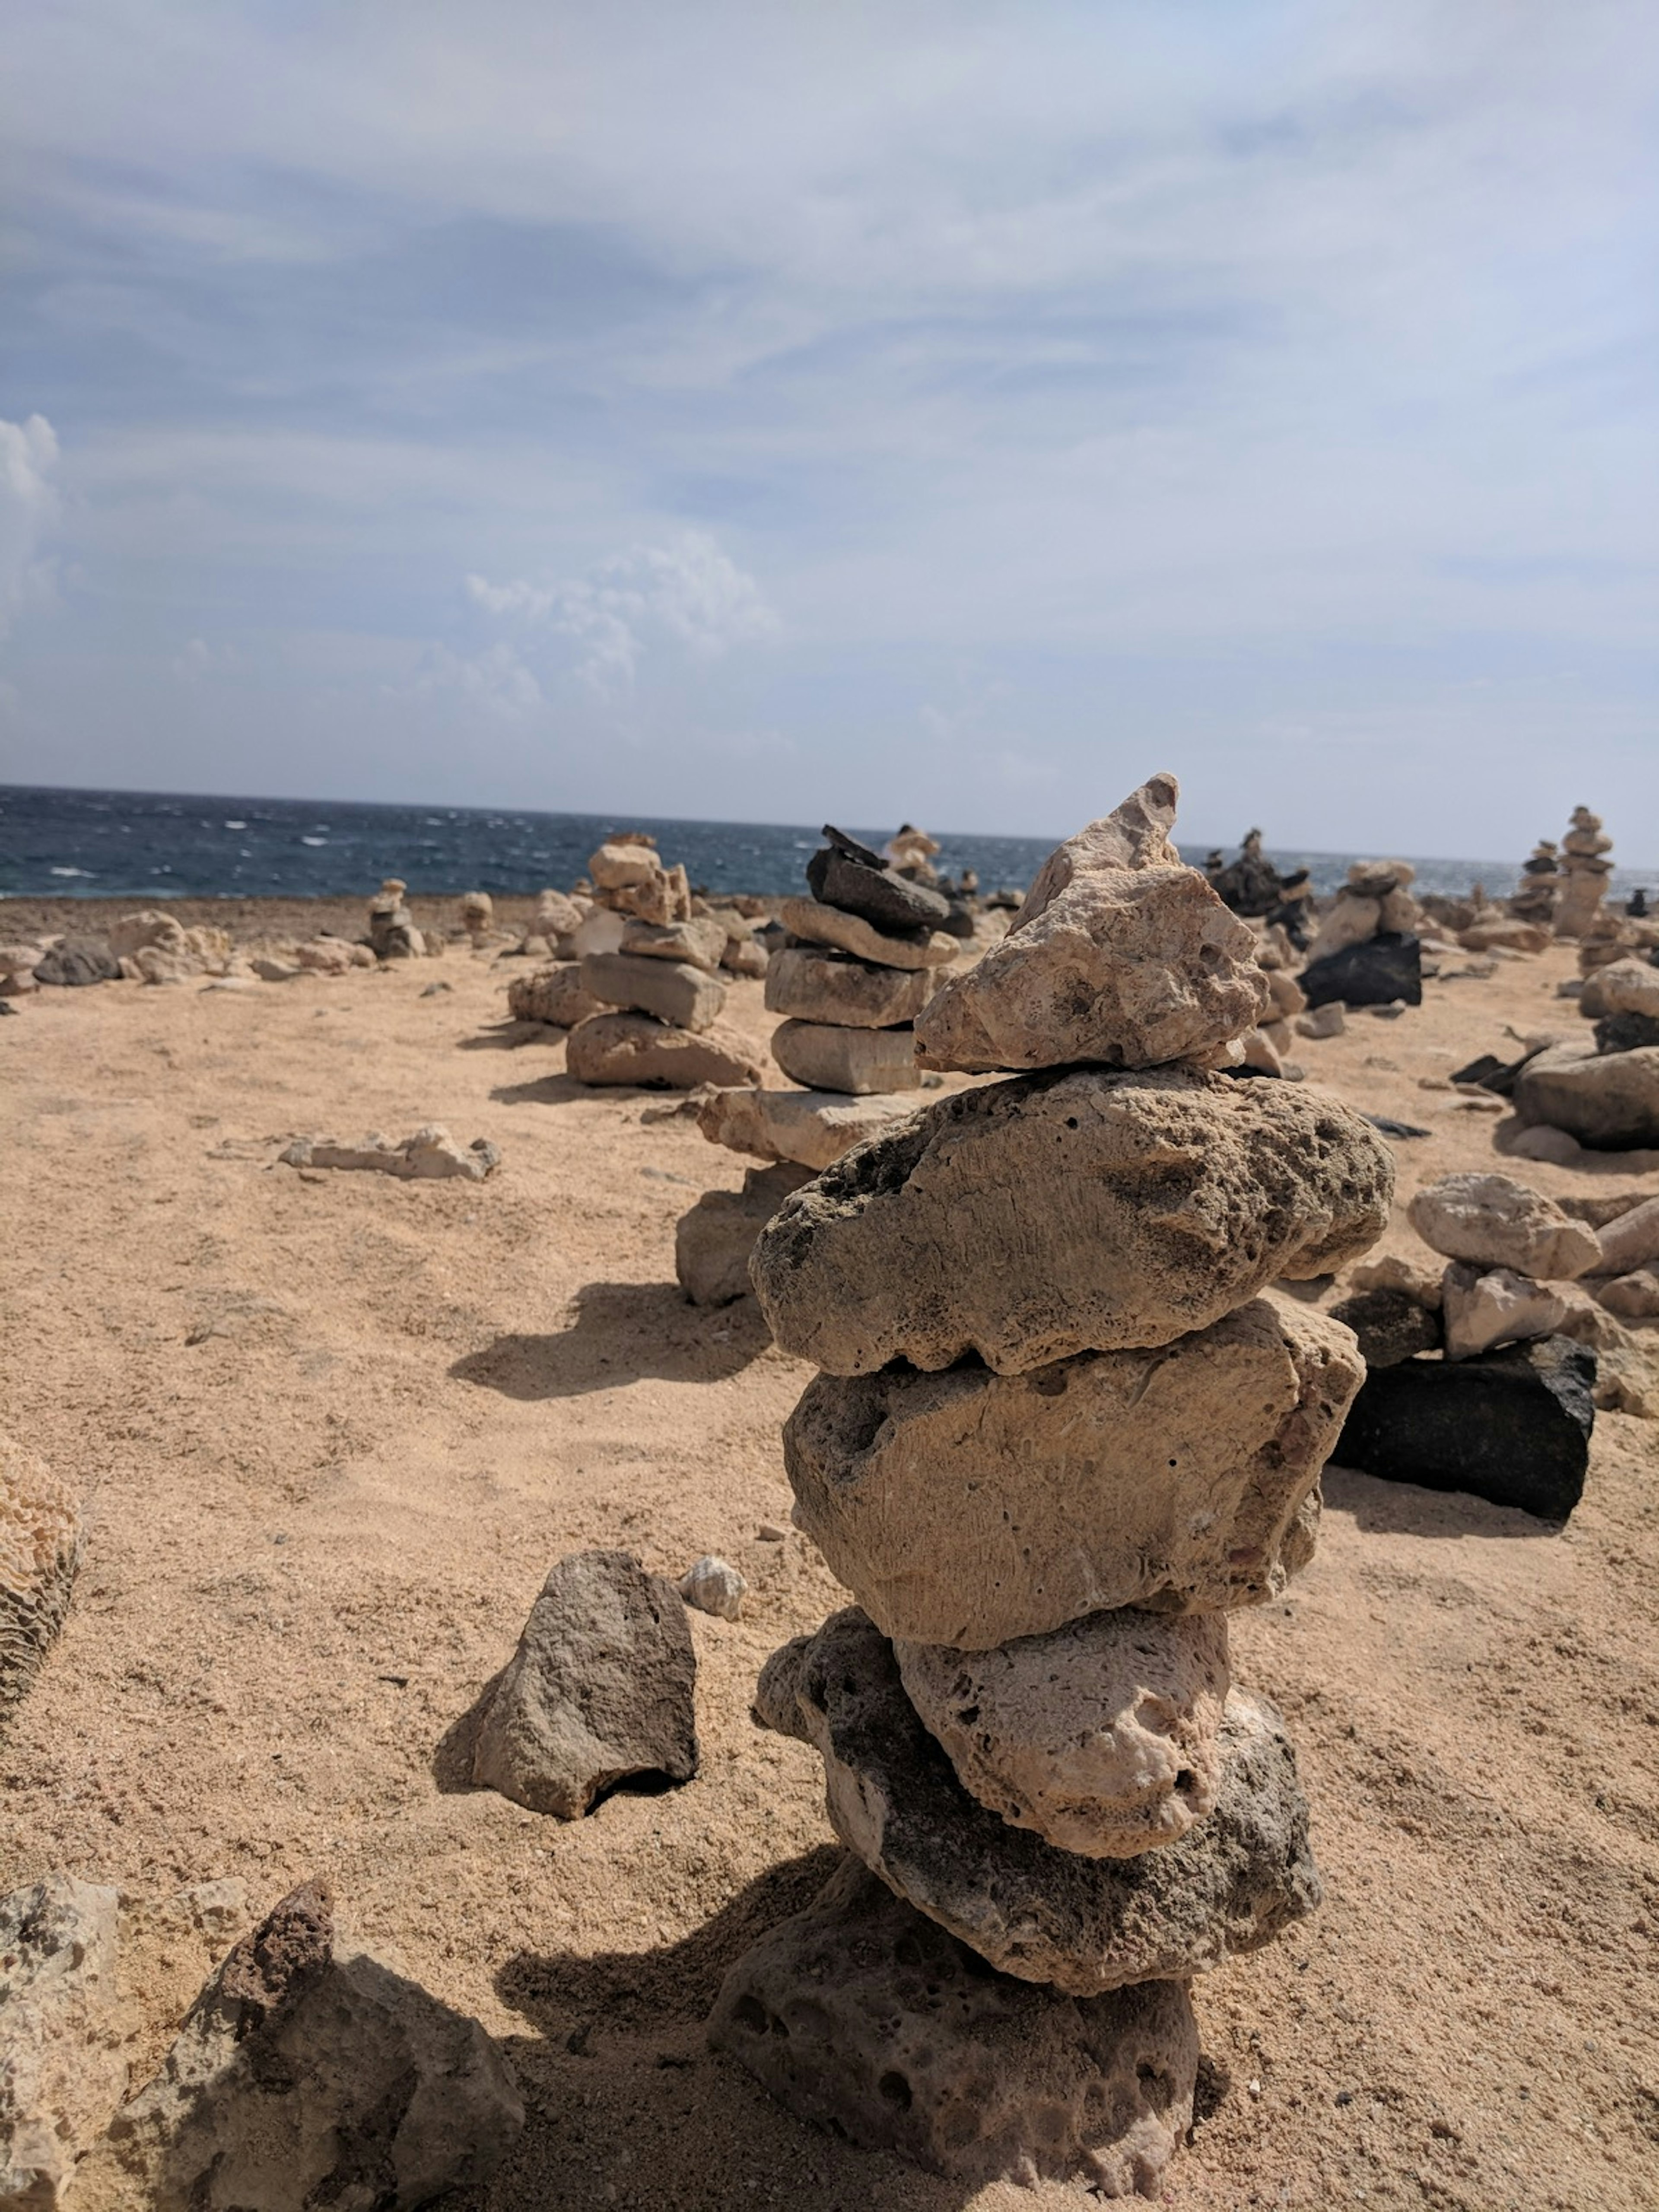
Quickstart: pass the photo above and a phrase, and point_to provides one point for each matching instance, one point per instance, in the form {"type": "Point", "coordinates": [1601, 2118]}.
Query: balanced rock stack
{"type": "Point", "coordinates": [392, 934]}
{"type": "Point", "coordinates": [1584, 872]}
{"type": "Point", "coordinates": [663, 976]}
{"type": "Point", "coordinates": [1540, 881]}
{"type": "Point", "coordinates": [1059, 1434]}
{"type": "Point", "coordinates": [858, 965]}
{"type": "Point", "coordinates": [1366, 951]}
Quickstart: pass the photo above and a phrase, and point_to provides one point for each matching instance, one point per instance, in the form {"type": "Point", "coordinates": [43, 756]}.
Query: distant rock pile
{"type": "Point", "coordinates": [1058, 1434]}
{"type": "Point", "coordinates": [1584, 872]}
{"type": "Point", "coordinates": [1366, 951]}
{"type": "Point", "coordinates": [1540, 884]}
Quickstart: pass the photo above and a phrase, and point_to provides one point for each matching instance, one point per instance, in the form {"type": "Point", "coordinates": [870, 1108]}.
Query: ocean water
{"type": "Point", "coordinates": [156, 845]}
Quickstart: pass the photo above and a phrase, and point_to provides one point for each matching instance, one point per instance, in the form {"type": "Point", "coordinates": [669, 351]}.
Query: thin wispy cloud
{"type": "Point", "coordinates": [1113, 382]}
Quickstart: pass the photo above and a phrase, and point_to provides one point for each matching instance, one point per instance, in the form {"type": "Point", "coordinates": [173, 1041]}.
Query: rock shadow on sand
{"type": "Point", "coordinates": [625, 2096]}
{"type": "Point", "coordinates": [1402, 1508]}
{"type": "Point", "coordinates": [509, 1036]}
{"type": "Point", "coordinates": [622, 1333]}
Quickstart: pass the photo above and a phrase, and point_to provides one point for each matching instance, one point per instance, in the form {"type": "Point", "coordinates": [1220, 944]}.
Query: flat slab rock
{"type": "Point", "coordinates": [1512, 1426]}
{"type": "Point", "coordinates": [601, 1689]}
{"type": "Point", "coordinates": [310, 2073]}
{"type": "Point", "coordinates": [429, 1156]}
{"type": "Point", "coordinates": [672, 990]}
{"type": "Point", "coordinates": [63, 2066]}
{"type": "Point", "coordinates": [862, 2017]}
{"type": "Point", "coordinates": [967, 1508]}
{"type": "Point", "coordinates": [809, 985]}
{"type": "Point", "coordinates": [818, 924]}
{"type": "Point", "coordinates": [1032, 1220]}
{"type": "Point", "coordinates": [813, 1128]}
{"type": "Point", "coordinates": [1120, 955]}
{"type": "Point", "coordinates": [1102, 1737]}
{"type": "Point", "coordinates": [634, 1050]}
{"type": "Point", "coordinates": [1497, 1222]}
{"type": "Point", "coordinates": [1230, 1885]}
{"type": "Point", "coordinates": [864, 1063]}
{"type": "Point", "coordinates": [713, 1240]}
{"type": "Point", "coordinates": [1608, 1101]}
{"type": "Point", "coordinates": [846, 874]}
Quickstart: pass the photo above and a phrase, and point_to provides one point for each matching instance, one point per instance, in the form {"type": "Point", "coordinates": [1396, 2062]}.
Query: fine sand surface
{"type": "Point", "coordinates": [335, 1428]}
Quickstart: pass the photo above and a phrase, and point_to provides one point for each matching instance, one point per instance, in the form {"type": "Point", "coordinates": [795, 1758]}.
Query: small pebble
{"type": "Point", "coordinates": [769, 1533]}
{"type": "Point", "coordinates": [713, 1585]}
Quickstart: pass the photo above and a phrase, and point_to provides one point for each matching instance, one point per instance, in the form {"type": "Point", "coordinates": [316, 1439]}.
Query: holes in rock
{"type": "Point", "coordinates": [897, 2090]}
{"type": "Point", "coordinates": [751, 2013]}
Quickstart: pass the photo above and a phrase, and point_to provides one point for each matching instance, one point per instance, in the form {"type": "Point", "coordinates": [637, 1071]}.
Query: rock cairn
{"type": "Point", "coordinates": [1058, 1434]}
{"type": "Point", "coordinates": [1584, 872]}
{"type": "Point", "coordinates": [660, 971]}
{"type": "Point", "coordinates": [392, 934]}
{"type": "Point", "coordinates": [857, 964]}
{"type": "Point", "coordinates": [1541, 882]}
{"type": "Point", "coordinates": [1366, 950]}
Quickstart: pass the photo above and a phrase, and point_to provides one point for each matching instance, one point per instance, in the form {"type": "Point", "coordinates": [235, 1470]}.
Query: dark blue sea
{"type": "Point", "coordinates": [158, 845]}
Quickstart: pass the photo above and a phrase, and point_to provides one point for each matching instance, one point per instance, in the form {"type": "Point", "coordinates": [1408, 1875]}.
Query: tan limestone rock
{"type": "Point", "coordinates": [429, 1156]}
{"type": "Point", "coordinates": [1420, 1283]}
{"type": "Point", "coordinates": [41, 1540]}
{"type": "Point", "coordinates": [826, 987]}
{"type": "Point", "coordinates": [671, 989]}
{"type": "Point", "coordinates": [1485, 1307]}
{"type": "Point", "coordinates": [62, 2068]}
{"type": "Point", "coordinates": [849, 932]}
{"type": "Point", "coordinates": [1352, 921]}
{"type": "Point", "coordinates": [700, 942]}
{"type": "Point", "coordinates": [1628, 987]}
{"type": "Point", "coordinates": [968, 1507]}
{"type": "Point", "coordinates": [1631, 1240]}
{"type": "Point", "coordinates": [1635, 1296]}
{"type": "Point", "coordinates": [553, 993]}
{"type": "Point", "coordinates": [1101, 1736]}
{"type": "Point", "coordinates": [812, 1128]}
{"type": "Point", "coordinates": [862, 1062]}
{"type": "Point", "coordinates": [611, 1049]}
{"type": "Point", "coordinates": [1499, 1222]}
{"type": "Point", "coordinates": [1062, 1212]}
{"type": "Point", "coordinates": [1120, 957]}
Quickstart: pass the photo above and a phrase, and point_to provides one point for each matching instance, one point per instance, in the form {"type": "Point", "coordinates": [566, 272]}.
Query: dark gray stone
{"type": "Point", "coordinates": [1390, 1325]}
{"type": "Point", "coordinates": [1626, 1032]}
{"type": "Point", "coordinates": [600, 1690]}
{"type": "Point", "coordinates": [1512, 1426]}
{"type": "Point", "coordinates": [78, 960]}
{"type": "Point", "coordinates": [1385, 968]}
{"type": "Point", "coordinates": [865, 2019]}
{"type": "Point", "coordinates": [846, 874]}
{"type": "Point", "coordinates": [1230, 1884]}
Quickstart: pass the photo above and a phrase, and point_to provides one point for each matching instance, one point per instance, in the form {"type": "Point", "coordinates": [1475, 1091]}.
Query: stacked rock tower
{"type": "Point", "coordinates": [1058, 1435]}
{"type": "Point", "coordinates": [1584, 872]}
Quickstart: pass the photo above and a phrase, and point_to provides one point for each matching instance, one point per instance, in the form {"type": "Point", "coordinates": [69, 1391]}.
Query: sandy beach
{"type": "Point", "coordinates": [334, 1429]}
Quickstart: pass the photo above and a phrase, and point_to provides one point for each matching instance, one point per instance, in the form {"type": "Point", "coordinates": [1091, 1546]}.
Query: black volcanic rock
{"type": "Point", "coordinates": [846, 874]}
{"type": "Point", "coordinates": [1385, 968]}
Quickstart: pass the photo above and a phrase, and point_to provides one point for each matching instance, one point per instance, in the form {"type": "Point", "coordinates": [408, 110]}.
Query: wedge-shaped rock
{"type": "Point", "coordinates": [1120, 955]}
{"type": "Point", "coordinates": [1230, 1885]}
{"type": "Point", "coordinates": [610, 1049]}
{"type": "Point", "coordinates": [812, 1127]}
{"type": "Point", "coordinates": [1499, 1222]}
{"type": "Point", "coordinates": [699, 943]}
{"type": "Point", "coordinates": [1065, 1213]}
{"type": "Point", "coordinates": [309, 2072]}
{"type": "Point", "coordinates": [63, 2069]}
{"type": "Point", "coordinates": [1608, 1101]}
{"type": "Point", "coordinates": [864, 2018]}
{"type": "Point", "coordinates": [553, 993]}
{"type": "Point", "coordinates": [827, 987]}
{"type": "Point", "coordinates": [600, 1689]}
{"type": "Point", "coordinates": [1483, 1307]}
{"type": "Point", "coordinates": [671, 989]}
{"type": "Point", "coordinates": [966, 1508]}
{"type": "Point", "coordinates": [850, 932]}
{"type": "Point", "coordinates": [1101, 1736]}
{"type": "Point", "coordinates": [39, 1552]}
{"type": "Point", "coordinates": [862, 1062]}
{"type": "Point", "coordinates": [847, 874]}
{"type": "Point", "coordinates": [713, 1241]}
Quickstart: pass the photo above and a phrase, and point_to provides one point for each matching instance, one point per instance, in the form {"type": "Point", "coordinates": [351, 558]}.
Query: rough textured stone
{"type": "Point", "coordinates": [554, 994]}
{"type": "Point", "coordinates": [62, 2068]}
{"type": "Point", "coordinates": [39, 1552]}
{"type": "Point", "coordinates": [77, 960]}
{"type": "Point", "coordinates": [1390, 1325]}
{"type": "Point", "coordinates": [1512, 1426]}
{"type": "Point", "coordinates": [1064, 1212]}
{"type": "Point", "coordinates": [968, 1507]}
{"type": "Point", "coordinates": [1353, 919]}
{"type": "Point", "coordinates": [1484, 1307]}
{"type": "Point", "coordinates": [1499, 1222]}
{"type": "Point", "coordinates": [1121, 956]}
{"type": "Point", "coordinates": [1390, 1272]}
{"type": "Point", "coordinates": [600, 1689]}
{"type": "Point", "coordinates": [1635, 1295]}
{"type": "Point", "coordinates": [309, 2072]}
{"type": "Point", "coordinates": [826, 987]}
{"type": "Point", "coordinates": [713, 1585]}
{"type": "Point", "coordinates": [608, 1049]}
{"type": "Point", "coordinates": [713, 1241]}
{"type": "Point", "coordinates": [864, 1063]}
{"type": "Point", "coordinates": [698, 943]}
{"type": "Point", "coordinates": [850, 932]}
{"type": "Point", "coordinates": [1327, 1021]}
{"type": "Point", "coordinates": [1374, 974]}
{"type": "Point", "coordinates": [623, 866]}
{"type": "Point", "coordinates": [1230, 1884]}
{"type": "Point", "coordinates": [1626, 987]}
{"type": "Point", "coordinates": [1626, 1032]}
{"type": "Point", "coordinates": [812, 1127]}
{"type": "Point", "coordinates": [864, 2018]}
{"type": "Point", "coordinates": [1101, 1736]}
{"type": "Point", "coordinates": [848, 875]}
{"type": "Point", "coordinates": [429, 1156]}
{"type": "Point", "coordinates": [668, 988]}
{"type": "Point", "coordinates": [1608, 1101]}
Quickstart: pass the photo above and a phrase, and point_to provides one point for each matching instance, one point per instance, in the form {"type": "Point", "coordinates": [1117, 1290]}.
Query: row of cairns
{"type": "Point", "coordinates": [1562, 886]}
{"type": "Point", "coordinates": [1059, 1434]}
{"type": "Point", "coordinates": [641, 979]}
{"type": "Point", "coordinates": [857, 963]}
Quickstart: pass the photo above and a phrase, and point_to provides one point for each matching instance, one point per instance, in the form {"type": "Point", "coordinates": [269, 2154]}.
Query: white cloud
{"type": "Point", "coordinates": [496, 680]}
{"type": "Point", "coordinates": [29, 502]}
{"type": "Point", "coordinates": [687, 593]}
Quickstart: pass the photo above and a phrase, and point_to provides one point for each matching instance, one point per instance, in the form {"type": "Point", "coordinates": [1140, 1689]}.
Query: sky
{"type": "Point", "coordinates": [776, 411]}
